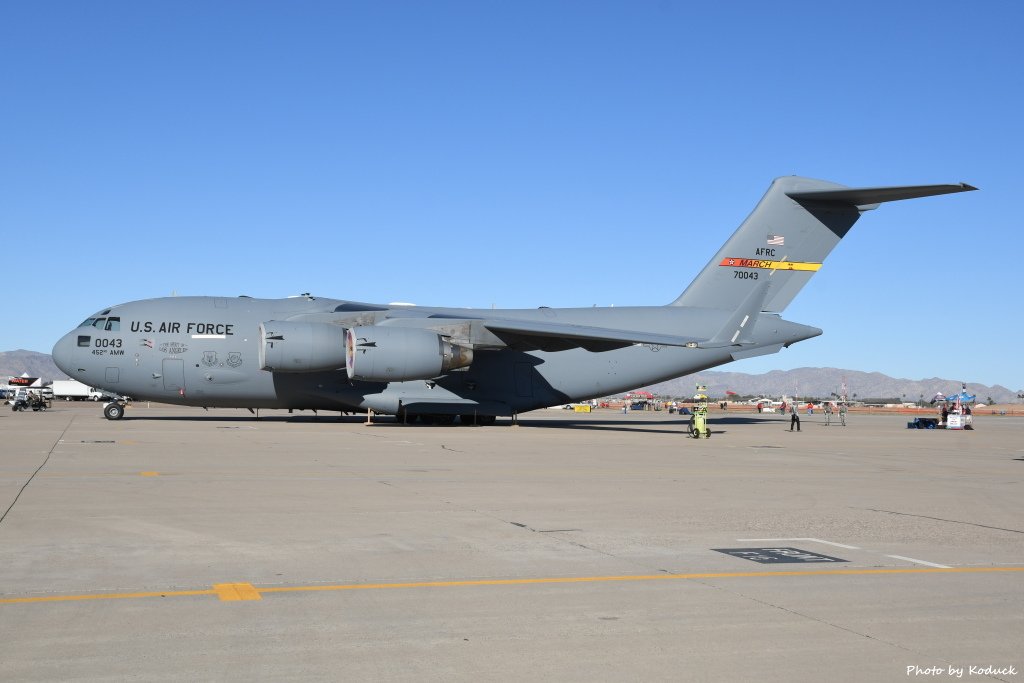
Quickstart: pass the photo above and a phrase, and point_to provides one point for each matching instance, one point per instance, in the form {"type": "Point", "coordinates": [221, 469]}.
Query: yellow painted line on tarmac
{"type": "Point", "coordinates": [231, 592]}
{"type": "Point", "coordinates": [649, 577]}
{"type": "Point", "coordinates": [150, 474]}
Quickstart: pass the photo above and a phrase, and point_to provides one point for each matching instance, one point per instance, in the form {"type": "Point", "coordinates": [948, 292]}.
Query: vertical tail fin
{"type": "Point", "coordinates": [787, 237]}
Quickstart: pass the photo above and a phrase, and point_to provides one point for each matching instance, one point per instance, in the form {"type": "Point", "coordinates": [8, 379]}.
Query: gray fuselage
{"type": "Point", "coordinates": [205, 351]}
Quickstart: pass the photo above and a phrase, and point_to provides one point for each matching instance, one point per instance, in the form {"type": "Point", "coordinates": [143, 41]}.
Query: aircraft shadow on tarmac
{"type": "Point", "coordinates": [656, 426]}
{"type": "Point", "coordinates": [624, 425]}
{"type": "Point", "coordinates": [251, 418]}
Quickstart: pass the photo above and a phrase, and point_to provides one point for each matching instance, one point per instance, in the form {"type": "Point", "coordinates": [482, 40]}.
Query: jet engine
{"type": "Point", "coordinates": [396, 354]}
{"type": "Point", "coordinates": [301, 347]}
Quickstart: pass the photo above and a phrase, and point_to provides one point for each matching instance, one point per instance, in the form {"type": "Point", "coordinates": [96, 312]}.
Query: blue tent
{"type": "Point", "coordinates": [963, 397]}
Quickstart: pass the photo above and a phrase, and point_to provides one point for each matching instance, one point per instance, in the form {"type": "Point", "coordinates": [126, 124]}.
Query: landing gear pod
{"type": "Point", "coordinates": [396, 354]}
{"type": "Point", "coordinates": [301, 347]}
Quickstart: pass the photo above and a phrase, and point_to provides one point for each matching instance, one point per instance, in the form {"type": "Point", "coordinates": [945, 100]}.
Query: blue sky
{"type": "Point", "coordinates": [516, 155]}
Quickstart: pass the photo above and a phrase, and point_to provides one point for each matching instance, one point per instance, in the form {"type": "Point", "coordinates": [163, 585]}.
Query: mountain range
{"type": "Point", "coordinates": [799, 383]}
{"type": "Point", "coordinates": [32, 363]}
{"type": "Point", "coordinates": [824, 382]}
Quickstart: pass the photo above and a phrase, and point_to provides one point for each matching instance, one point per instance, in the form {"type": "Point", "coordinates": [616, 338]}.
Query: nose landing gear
{"type": "Point", "coordinates": [113, 410]}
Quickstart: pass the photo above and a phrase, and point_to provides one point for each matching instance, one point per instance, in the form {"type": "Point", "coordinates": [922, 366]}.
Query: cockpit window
{"type": "Point", "coordinates": [111, 324]}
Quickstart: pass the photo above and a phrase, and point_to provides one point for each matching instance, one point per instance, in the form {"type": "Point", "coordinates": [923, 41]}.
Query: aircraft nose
{"type": "Point", "coordinates": [62, 353]}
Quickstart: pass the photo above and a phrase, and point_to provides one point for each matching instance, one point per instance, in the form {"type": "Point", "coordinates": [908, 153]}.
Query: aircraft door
{"type": "Point", "coordinates": [174, 375]}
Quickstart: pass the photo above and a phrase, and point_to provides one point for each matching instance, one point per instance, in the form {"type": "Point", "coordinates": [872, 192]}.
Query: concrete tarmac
{"type": "Point", "coordinates": [180, 544]}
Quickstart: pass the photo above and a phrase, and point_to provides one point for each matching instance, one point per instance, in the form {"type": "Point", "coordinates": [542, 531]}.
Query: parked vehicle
{"type": "Point", "coordinates": [73, 390]}
{"type": "Point", "coordinates": [29, 400]}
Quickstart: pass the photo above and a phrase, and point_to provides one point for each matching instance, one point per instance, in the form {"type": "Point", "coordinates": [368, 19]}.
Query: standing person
{"type": "Point", "coordinates": [828, 413]}
{"type": "Point", "coordinates": [794, 418]}
{"type": "Point", "coordinates": [842, 413]}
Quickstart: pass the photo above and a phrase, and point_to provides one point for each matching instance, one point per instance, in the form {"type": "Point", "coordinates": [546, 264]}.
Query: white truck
{"type": "Point", "coordinates": [73, 390]}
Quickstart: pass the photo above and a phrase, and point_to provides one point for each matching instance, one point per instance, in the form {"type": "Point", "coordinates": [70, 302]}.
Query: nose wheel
{"type": "Point", "coordinates": [113, 411]}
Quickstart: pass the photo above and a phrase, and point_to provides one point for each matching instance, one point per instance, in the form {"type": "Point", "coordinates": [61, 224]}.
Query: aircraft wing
{"type": "Point", "coordinates": [547, 336]}
{"type": "Point", "coordinates": [550, 336]}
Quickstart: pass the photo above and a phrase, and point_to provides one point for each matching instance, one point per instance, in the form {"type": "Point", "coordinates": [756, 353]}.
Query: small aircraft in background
{"type": "Point", "coordinates": [434, 364]}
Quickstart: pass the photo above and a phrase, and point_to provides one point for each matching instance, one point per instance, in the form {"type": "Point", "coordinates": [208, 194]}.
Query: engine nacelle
{"type": "Point", "coordinates": [396, 354]}
{"type": "Point", "coordinates": [301, 347]}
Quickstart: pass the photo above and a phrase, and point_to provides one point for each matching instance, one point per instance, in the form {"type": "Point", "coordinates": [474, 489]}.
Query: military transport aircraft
{"type": "Point", "coordinates": [433, 364]}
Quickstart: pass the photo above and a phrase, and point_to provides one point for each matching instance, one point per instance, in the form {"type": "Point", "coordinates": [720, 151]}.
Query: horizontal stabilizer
{"type": "Point", "coordinates": [861, 196]}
